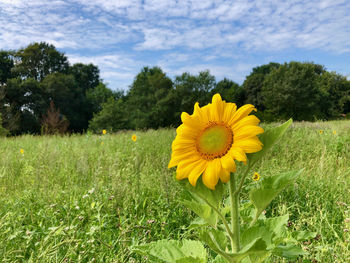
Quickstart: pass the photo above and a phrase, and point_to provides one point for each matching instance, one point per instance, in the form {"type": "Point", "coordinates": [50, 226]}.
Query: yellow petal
{"type": "Point", "coordinates": [201, 165]}
{"type": "Point", "coordinates": [176, 158]}
{"type": "Point", "coordinates": [217, 107]}
{"type": "Point", "coordinates": [230, 109]}
{"type": "Point", "coordinates": [237, 154]}
{"type": "Point", "coordinates": [211, 175]}
{"type": "Point", "coordinates": [187, 132]}
{"type": "Point", "coordinates": [241, 113]}
{"type": "Point", "coordinates": [250, 145]}
{"type": "Point", "coordinates": [228, 163]}
{"type": "Point", "coordinates": [224, 176]}
{"type": "Point", "coordinates": [185, 167]}
{"type": "Point", "coordinates": [190, 121]}
{"type": "Point", "coordinates": [250, 120]}
{"type": "Point", "coordinates": [247, 131]}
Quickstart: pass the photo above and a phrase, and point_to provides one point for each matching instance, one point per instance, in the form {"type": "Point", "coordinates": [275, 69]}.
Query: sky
{"type": "Point", "coordinates": [228, 38]}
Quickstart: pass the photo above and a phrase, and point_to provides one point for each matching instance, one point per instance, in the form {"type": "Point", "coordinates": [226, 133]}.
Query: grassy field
{"type": "Point", "coordinates": [87, 198]}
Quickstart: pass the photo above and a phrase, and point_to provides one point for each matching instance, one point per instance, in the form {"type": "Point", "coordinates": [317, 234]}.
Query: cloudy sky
{"type": "Point", "coordinates": [227, 37]}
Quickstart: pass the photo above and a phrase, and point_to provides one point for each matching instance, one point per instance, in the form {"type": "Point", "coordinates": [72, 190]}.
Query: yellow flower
{"type": "Point", "coordinates": [321, 131]}
{"type": "Point", "coordinates": [104, 132]}
{"type": "Point", "coordinates": [334, 132]}
{"type": "Point", "coordinates": [102, 143]}
{"type": "Point", "coordinates": [256, 176]}
{"type": "Point", "coordinates": [21, 151]}
{"type": "Point", "coordinates": [211, 139]}
{"type": "Point", "coordinates": [134, 137]}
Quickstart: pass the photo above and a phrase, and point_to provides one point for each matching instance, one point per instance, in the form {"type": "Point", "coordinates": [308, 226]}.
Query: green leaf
{"type": "Point", "coordinates": [269, 189]}
{"type": "Point", "coordinates": [215, 239]}
{"type": "Point", "coordinates": [219, 259]}
{"type": "Point", "coordinates": [304, 235]}
{"type": "Point", "coordinates": [256, 248]}
{"type": "Point", "coordinates": [197, 223]}
{"type": "Point", "coordinates": [289, 251]}
{"type": "Point", "coordinates": [202, 210]}
{"type": "Point", "coordinates": [200, 191]}
{"type": "Point", "coordinates": [269, 138]}
{"type": "Point", "coordinates": [170, 251]}
{"type": "Point", "coordinates": [254, 233]}
{"type": "Point", "coordinates": [203, 201]}
{"type": "Point", "coordinates": [277, 225]}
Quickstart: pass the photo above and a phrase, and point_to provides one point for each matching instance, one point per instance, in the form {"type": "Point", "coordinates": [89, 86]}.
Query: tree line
{"type": "Point", "coordinates": [40, 92]}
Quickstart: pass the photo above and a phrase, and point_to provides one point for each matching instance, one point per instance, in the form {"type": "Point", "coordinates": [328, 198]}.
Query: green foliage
{"type": "Point", "coordinates": [3, 131]}
{"type": "Point", "coordinates": [174, 251]}
{"type": "Point", "coordinates": [268, 139]}
{"type": "Point", "coordinates": [46, 195]}
{"type": "Point", "coordinates": [6, 64]}
{"type": "Point", "coordinates": [229, 90]}
{"type": "Point", "coordinates": [287, 91]}
{"type": "Point", "coordinates": [253, 84]}
{"type": "Point", "coordinates": [149, 99]}
{"type": "Point", "coordinates": [98, 95]}
{"type": "Point", "coordinates": [38, 60]}
{"type": "Point", "coordinates": [112, 117]}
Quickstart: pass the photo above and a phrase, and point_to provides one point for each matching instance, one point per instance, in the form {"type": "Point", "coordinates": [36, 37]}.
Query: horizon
{"type": "Point", "coordinates": [228, 39]}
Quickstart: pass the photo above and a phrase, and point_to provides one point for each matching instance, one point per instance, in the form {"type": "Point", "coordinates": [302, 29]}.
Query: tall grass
{"type": "Point", "coordinates": [88, 198]}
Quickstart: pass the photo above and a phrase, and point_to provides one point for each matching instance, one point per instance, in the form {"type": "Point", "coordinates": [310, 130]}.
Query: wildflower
{"type": "Point", "coordinates": [21, 151]}
{"type": "Point", "coordinates": [104, 132]}
{"type": "Point", "coordinates": [321, 131]}
{"type": "Point", "coordinates": [134, 137]}
{"type": "Point", "coordinates": [211, 139]}
{"type": "Point", "coordinates": [334, 132]}
{"type": "Point", "coordinates": [256, 176]}
{"type": "Point", "coordinates": [91, 191]}
{"type": "Point", "coordinates": [102, 143]}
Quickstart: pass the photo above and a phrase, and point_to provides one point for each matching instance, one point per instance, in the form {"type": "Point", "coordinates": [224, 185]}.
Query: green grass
{"type": "Point", "coordinates": [73, 199]}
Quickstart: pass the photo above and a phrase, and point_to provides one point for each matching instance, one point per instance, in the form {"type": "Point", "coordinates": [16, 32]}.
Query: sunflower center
{"type": "Point", "coordinates": [214, 141]}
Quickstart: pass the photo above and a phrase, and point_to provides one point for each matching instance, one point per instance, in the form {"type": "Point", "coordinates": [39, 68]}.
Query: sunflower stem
{"type": "Point", "coordinates": [234, 198]}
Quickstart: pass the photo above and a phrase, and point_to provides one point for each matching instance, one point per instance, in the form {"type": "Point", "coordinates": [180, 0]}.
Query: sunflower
{"type": "Point", "coordinates": [256, 176]}
{"type": "Point", "coordinates": [134, 137]}
{"type": "Point", "coordinates": [104, 132]}
{"type": "Point", "coordinates": [211, 139]}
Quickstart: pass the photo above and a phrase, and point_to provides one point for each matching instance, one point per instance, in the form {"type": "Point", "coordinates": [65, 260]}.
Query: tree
{"type": "Point", "coordinates": [253, 84]}
{"type": "Point", "coordinates": [22, 105]}
{"type": "Point", "coordinates": [293, 90]}
{"type": "Point", "coordinates": [86, 76]}
{"type": "Point", "coordinates": [3, 131]}
{"type": "Point", "coordinates": [6, 64]}
{"type": "Point", "coordinates": [190, 89]}
{"type": "Point", "coordinates": [229, 90]}
{"type": "Point", "coordinates": [112, 117]}
{"type": "Point", "coordinates": [335, 94]}
{"type": "Point", "coordinates": [148, 100]}
{"type": "Point", "coordinates": [39, 60]}
{"type": "Point", "coordinates": [100, 94]}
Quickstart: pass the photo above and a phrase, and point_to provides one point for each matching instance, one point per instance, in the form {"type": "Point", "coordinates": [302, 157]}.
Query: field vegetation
{"type": "Point", "coordinates": [90, 198]}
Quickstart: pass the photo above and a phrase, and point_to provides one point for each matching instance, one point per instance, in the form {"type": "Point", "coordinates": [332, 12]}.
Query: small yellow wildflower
{"type": "Point", "coordinates": [102, 143]}
{"type": "Point", "coordinates": [134, 137]}
{"type": "Point", "coordinates": [334, 132]}
{"type": "Point", "coordinates": [321, 131]}
{"type": "Point", "coordinates": [256, 176]}
{"type": "Point", "coordinates": [104, 132]}
{"type": "Point", "coordinates": [21, 151]}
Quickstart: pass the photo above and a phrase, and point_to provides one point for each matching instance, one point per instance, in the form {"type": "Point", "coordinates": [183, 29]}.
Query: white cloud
{"type": "Point", "coordinates": [177, 34]}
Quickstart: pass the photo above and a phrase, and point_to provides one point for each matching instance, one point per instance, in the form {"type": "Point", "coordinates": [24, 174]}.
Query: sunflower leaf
{"type": "Point", "coordinates": [184, 251]}
{"type": "Point", "coordinates": [270, 187]}
{"type": "Point", "coordinates": [268, 139]}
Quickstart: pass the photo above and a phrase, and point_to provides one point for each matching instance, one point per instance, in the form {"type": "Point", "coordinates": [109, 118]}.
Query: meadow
{"type": "Point", "coordinates": [89, 198]}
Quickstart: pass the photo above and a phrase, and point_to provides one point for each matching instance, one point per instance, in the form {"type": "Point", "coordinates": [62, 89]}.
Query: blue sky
{"type": "Point", "coordinates": [228, 38]}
